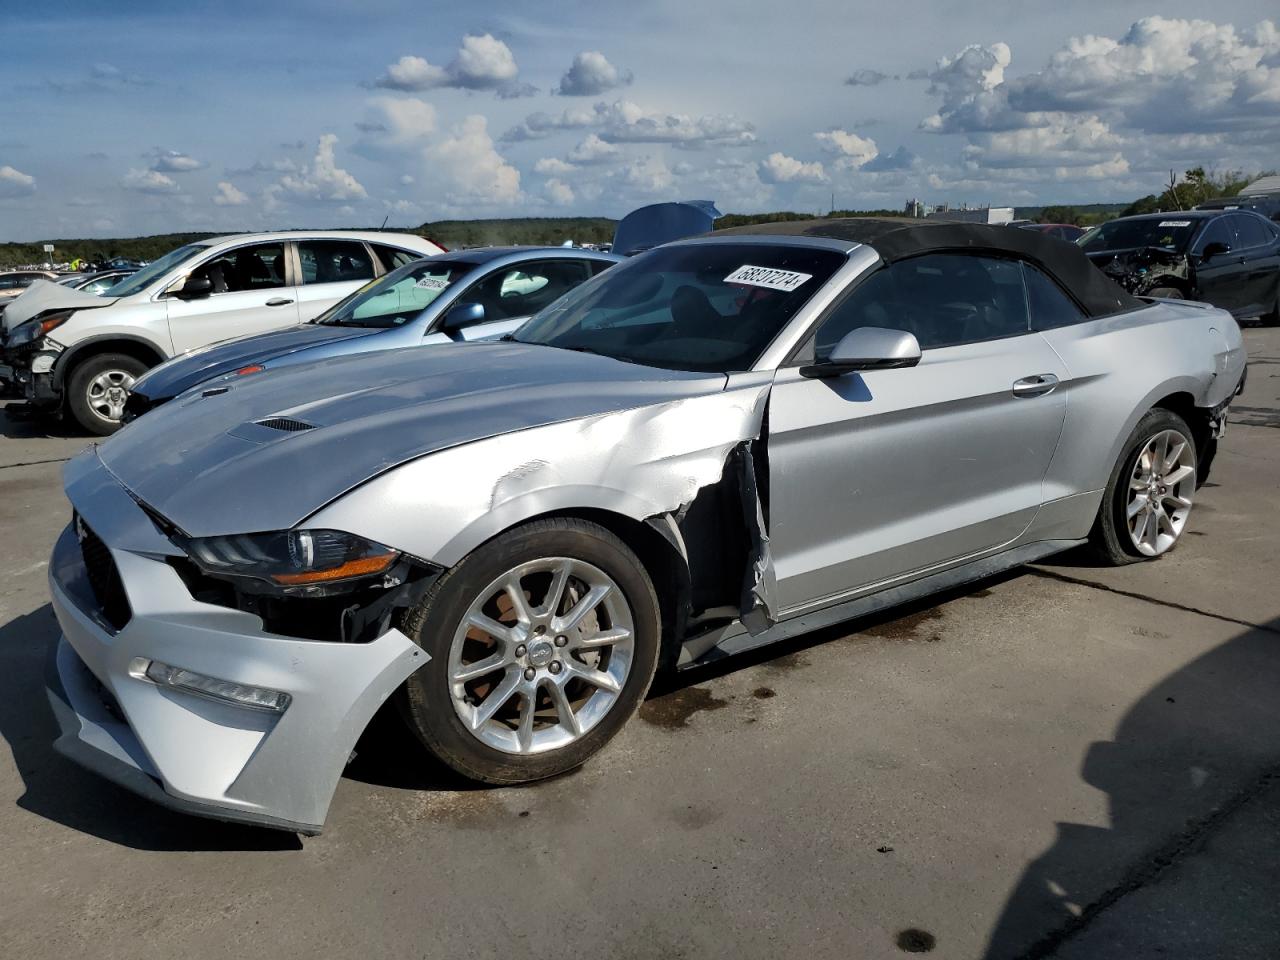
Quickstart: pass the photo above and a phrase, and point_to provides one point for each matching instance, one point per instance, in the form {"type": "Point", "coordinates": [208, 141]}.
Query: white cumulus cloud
{"type": "Point", "coordinates": [229, 196]}
{"type": "Point", "coordinates": [473, 166]}
{"type": "Point", "coordinates": [149, 181]}
{"type": "Point", "coordinates": [483, 62]}
{"type": "Point", "coordinates": [322, 178]}
{"type": "Point", "coordinates": [851, 150]}
{"type": "Point", "coordinates": [590, 75]}
{"type": "Point", "coordinates": [558, 192]}
{"type": "Point", "coordinates": [780, 168]}
{"type": "Point", "coordinates": [15, 183]}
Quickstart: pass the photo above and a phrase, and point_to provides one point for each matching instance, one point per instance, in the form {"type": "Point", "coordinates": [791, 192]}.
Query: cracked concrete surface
{"type": "Point", "coordinates": [1075, 763]}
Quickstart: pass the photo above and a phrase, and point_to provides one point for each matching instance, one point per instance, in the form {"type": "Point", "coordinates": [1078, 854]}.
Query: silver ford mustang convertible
{"type": "Point", "coordinates": [718, 444]}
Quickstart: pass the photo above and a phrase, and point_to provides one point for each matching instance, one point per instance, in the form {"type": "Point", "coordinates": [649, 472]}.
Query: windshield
{"type": "Point", "coordinates": [397, 298]}
{"type": "Point", "coordinates": [705, 307]}
{"type": "Point", "coordinates": [1172, 233]}
{"type": "Point", "coordinates": [156, 269]}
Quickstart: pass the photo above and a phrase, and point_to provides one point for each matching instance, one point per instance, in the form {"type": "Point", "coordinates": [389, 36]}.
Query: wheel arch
{"type": "Point", "coordinates": [137, 347]}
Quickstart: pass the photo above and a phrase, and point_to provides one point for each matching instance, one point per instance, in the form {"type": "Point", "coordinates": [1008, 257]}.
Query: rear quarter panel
{"type": "Point", "coordinates": [1123, 365]}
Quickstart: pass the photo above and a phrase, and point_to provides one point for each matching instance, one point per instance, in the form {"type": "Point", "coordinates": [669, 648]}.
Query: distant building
{"type": "Point", "coordinates": [914, 208]}
{"type": "Point", "coordinates": [976, 215]}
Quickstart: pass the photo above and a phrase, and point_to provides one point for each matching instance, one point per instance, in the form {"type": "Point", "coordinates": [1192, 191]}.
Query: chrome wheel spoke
{"type": "Point", "coordinates": [519, 602]}
{"type": "Point", "coordinates": [597, 678]}
{"type": "Point", "coordinates": [492, 627]}
{"type": "Point", "coordinates": [474, 671]}
{"type": "Point", "coordinates": [1175, 477]}
{"type": "Point", "coordinates": [564, 709]}
{"type": "Point", "coordinates": [573, 619]}
{"type": "Point", "coordinates": [524, 730]}
{"type": "Point", "coordinates": [555, 593]}
{"type": "Point", "coordinates": [604, 638]}
{"type": "Point", "coordinates": [1138, 504]}
{"type": "Point", "coordinates": [1182, 502]}
{"type": "Point", "coordinates": [494, 702]}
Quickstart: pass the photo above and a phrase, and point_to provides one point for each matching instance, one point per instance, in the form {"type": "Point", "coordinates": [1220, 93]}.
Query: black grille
{"type": "Point", "coordinates": [287, 424]}
{"type": "Point", "coordinates": [104, 578]}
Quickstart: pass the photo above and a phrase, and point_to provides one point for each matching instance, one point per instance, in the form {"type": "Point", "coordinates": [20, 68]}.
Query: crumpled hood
{"type": "Point", "coordinates": [45, 295]}
{"type": "Point", "coordinates": [208, 464]}
{"type": "Point", "coordinates": [186, 371]}
{"type": "Point", "coordinates": [1138, 269]}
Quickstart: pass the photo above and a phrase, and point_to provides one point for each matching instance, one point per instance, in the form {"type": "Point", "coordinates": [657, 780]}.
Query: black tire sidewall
{"type": "Point", "coordinates": [1113, 521]}
{"type": "Point", "coordinates": [427, 696]}
{"type": "Point", "coordinates": [78, 381]}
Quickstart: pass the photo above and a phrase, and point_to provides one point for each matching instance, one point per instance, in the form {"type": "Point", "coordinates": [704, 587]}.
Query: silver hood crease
{"type": "Point", "coordinates": [45, 296]}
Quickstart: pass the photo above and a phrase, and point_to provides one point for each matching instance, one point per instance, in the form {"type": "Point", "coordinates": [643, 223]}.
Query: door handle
{"type": "Point", "coordinates": [1036, 385]}
{"type": "Point", "coordinates": [278, 302]}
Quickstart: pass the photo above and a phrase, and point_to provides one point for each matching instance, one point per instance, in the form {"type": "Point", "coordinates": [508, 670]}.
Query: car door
{"type": "Point", "coordinates": [1260, 256]}
{"type": "Point", "coordinates": [329, 270]}
{"type": "Point", "coordinates": [513, 293]}
{"type": "Point", "coordinates": [1218, 278]}
{"type": "Point", "coordinates": [251, 293]}
{"type": "Point", "coordinates": [882, 474]}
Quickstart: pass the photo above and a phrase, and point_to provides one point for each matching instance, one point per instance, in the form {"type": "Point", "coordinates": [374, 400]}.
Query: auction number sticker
{"type": "Point", "coordinates": [1175, 223]}
{"type": "Point", "coordinates": [431, 283]}
{"type": "Point", "coordinates": [769, 277]}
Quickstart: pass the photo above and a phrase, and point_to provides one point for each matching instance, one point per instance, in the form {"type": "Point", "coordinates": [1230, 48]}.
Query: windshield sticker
{"type": "Point", "coordinates": [768, 277]}
{"type": "Point", "coordinates": [431, 283]}
{"type": "Point", "coordinates": [1175, 223]}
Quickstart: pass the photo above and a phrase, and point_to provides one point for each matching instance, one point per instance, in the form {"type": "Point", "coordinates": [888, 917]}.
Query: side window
{"type": "Point", "coordinates": [524, 290]}
{"type": "Point", "coordinates": [598, 266]}
{"type": "Point", "coordinates": [334, 261]}
{"type": "Point", "coordinates": [1251, 231]}
{"type": "Point", "coordinates": [246, 268]}
{"type": "Point", "coordinates": [1218, 231]}
{"type": "Point", "coordinates": [393, 257]}
{"type": "Point", "coordinates": [943, 299]}
{"type": "Point", "coordinates": [1050, 307]}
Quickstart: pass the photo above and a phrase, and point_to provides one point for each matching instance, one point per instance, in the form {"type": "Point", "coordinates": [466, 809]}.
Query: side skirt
{"type": "Point", "coordinates": [733, 638]}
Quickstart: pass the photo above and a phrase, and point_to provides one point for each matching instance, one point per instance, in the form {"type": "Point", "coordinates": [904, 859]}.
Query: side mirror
{"type": "Point", "coordinates": [867, 348]}
{"type": "Point", "coordinates": [195, 288]}
{"type": "Point", "coordinates": [1215, 249]}
{"type": "Point", "coordinates": [462, 315]}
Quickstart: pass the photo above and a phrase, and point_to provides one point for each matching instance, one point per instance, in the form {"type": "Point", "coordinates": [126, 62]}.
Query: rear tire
{"type": "Point", "coordinates": [555, 691]}
{"type": "Point", "coordinates": [1149, 495]}
{"type": "Point", "coordinates": [96, 390]}
{"type": "Point", "coordinates": [1272, 319]}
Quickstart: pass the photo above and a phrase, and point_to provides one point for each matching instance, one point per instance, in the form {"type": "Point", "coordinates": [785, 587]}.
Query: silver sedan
{"type": "Point", "coordinates": [718, 444]}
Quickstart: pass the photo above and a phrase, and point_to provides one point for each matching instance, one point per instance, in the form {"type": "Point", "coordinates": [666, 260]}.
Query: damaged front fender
{"type": "Point", "coordinates": [650, 464]}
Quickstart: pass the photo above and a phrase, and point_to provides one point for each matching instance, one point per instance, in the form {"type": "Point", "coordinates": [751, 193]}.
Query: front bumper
{"type": "Point", "coordinates": [208, 757]}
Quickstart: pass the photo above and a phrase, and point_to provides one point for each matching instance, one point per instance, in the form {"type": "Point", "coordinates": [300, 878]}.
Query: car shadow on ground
{"type": "Point", "coordinates": [18, 423]}
{"type": "Point", "coordinates": [1195, 750]}
{"type": "Point", "coordinates": [60, 791]}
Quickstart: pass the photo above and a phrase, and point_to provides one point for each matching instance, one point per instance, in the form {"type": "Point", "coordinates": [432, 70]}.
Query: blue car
{"type": "Point", "coordinates": [465, 295]}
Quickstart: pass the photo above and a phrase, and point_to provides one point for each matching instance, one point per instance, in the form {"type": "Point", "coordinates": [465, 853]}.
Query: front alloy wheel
{"type": "Point", "coordinates": [542, 644]}
{"type": "Point", "coordinates": [541, 655]}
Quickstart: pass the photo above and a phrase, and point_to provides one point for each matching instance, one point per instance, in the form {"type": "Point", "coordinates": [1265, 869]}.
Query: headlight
{"type": "Point", "coordinates": [38, 327]}
{"type": "Point", "coordinates": [294, 561]}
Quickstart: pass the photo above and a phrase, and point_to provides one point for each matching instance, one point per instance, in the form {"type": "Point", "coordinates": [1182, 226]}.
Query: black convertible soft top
{"type": "Point", "coordinates": [897, 239]}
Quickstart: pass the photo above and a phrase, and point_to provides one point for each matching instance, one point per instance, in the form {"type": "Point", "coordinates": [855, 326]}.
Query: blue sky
{"type": "Point", "coordinates": [134, 118]}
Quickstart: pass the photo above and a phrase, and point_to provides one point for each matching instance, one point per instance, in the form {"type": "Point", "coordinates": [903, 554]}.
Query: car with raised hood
{"type": "Point", "coordinates": [715, 445]}
{"type": "Point", "coordinates": [72, 351]}
{"type": "Point", "coordinates": [464, 295]}
{"type": "Point", "coordinates": [1229, 258]}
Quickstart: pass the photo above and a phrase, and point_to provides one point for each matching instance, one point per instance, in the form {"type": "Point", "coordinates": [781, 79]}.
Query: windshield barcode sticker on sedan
{"type": "Point", "coordinates": [1175, 223]}
{"type": "Point", "coordinates": [431, 283]}
{"type": "Point", "coordinates": [768, 277]}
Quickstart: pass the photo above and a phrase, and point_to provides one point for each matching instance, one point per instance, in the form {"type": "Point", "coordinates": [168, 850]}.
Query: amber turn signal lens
{"type": "Point", "coordinates": [252, 368]}
{"type": "Point", "coordinates": [361, 567]}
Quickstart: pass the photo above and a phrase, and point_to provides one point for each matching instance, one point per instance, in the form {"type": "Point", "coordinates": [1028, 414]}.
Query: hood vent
{"type": "Point", "coordinates": [285, 424]}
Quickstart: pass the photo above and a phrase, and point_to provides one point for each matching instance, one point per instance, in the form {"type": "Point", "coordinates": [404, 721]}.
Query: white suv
{"type": "Point", "coordinates": [64, 349]}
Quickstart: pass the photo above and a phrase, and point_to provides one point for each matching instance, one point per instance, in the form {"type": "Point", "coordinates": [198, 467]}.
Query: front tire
{"type": "Point", "coordinates": [97, 389]}
{"type": "Point", "coordinates": [543, 643]}
{"type": "Point", "coordinates": [1149, 496]}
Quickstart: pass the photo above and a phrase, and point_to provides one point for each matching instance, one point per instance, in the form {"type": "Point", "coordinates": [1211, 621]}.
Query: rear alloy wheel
{"type": "Point", "coordinates": [542, 642]}
{"type": "Point", "coordinates": [1149, 497]}
{"type": "Point", "coordinates": [98, 388]}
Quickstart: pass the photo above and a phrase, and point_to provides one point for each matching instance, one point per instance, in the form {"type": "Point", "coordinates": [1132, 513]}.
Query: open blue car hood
{"type": "Point", "coordinates": [660, 223]}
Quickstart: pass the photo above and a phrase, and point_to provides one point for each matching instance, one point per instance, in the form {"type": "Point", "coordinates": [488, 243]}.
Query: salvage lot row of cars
{"type": "Point", "coordinates": [705, 448]}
